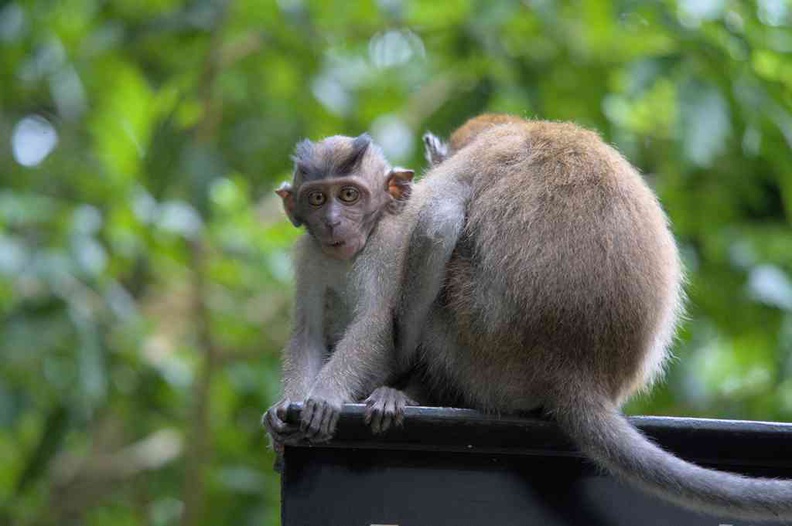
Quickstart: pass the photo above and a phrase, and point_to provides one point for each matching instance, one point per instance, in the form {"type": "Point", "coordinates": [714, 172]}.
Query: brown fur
{"type": "Point", "coordinates": [588, 279]}
{"type": "Point", "coordinates": [466, 133]}
{"type": "Point", "coordinates": [541, 272]}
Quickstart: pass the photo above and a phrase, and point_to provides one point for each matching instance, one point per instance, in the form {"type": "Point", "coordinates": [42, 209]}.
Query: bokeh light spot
{"type": "Point", "coordinates": [33, 140]}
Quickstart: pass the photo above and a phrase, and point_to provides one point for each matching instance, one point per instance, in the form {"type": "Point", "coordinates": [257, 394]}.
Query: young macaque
{"type": "Point", "coordinates": [544, 275]}
{"type": "Point", "coordinates": [348, 197]}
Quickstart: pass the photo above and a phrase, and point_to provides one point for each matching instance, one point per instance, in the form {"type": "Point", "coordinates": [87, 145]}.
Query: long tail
{"type": "Point", "coordinates": [600, 430]}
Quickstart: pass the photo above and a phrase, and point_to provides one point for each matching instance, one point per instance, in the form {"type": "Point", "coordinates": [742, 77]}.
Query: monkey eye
{"type": "Point", "coordinates": [349, 194]}
{"type": "Point", "coordinates": [316, 198]}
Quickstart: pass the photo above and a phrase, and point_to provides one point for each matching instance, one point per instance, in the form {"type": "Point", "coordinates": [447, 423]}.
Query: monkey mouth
{"type": "Point", "coordinates": [342, 250]}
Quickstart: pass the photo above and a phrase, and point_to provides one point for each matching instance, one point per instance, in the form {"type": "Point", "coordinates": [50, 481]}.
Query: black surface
{"type": "Point", "coordinates": [451, 466]}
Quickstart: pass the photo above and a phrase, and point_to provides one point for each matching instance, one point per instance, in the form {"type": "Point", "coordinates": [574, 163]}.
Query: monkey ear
{"type": "Point", "coordinates": [435, 150]}
{"type": "Point", "coordinates": [287, 195]}
{"type": "Point", "coordinates": [399, 182]}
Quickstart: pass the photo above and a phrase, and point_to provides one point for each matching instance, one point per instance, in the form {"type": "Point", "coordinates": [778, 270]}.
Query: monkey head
{"type": "Point", "coordinates": [340, 188]}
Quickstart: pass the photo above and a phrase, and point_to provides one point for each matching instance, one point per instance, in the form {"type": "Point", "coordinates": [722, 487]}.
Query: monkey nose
{"type": "Point", "coordinates": [332, 222]}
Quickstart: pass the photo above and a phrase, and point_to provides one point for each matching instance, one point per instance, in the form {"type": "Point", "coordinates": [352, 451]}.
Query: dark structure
{"type": "Point", "coordinates": [460, 467]}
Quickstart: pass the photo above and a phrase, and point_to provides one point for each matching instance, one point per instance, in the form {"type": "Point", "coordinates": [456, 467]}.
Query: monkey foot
{"type": "Point", "coordinates": [385, 408]}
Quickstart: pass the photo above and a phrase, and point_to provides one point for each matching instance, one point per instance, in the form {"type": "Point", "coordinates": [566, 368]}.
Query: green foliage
{"type": "Point", "coordinates": [144, 269]}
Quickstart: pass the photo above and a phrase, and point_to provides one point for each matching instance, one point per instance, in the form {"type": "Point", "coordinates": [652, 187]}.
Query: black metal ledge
{"type": "Point", "coordinates": [462, 467]}
{"type": "Point", "coordinates": [702, 440]}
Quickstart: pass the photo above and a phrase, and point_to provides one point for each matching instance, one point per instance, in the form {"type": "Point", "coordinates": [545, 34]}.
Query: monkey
{"type": "Point", "coordinates": [544, 276]}
{"type": "Point", "coordinates": [348, 197]}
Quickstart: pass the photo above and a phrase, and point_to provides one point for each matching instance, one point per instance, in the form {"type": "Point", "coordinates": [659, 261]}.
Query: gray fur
{"type": "Point", "coordinates": [331, 282]}
{"type": "Point", "coordinates": [435, 150]}
{"type": "Point", "coordinates": [438, 225]}
{"type": "Point", "coordinates": [333, 157]}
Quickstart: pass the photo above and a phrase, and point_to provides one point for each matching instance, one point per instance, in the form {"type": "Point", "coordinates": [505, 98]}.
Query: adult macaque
{"type": "Point", "coordinates": [544, 274]}
{"type": "Point", "coordinates": [348, 197]}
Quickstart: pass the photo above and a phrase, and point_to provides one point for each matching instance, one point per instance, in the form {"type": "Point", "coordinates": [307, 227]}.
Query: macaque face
{"type": "Point", "coordinates": [339, 212]}
{"type": "Point", "coordinates": [341, 187]}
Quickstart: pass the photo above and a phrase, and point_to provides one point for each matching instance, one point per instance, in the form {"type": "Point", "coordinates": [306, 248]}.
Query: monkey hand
{"type": "Point", "coordinates": [385, 408]}
{"type": "Point", "coordinates": [274, 421]}
{"type": "Point", "coordinates": [320, 413]}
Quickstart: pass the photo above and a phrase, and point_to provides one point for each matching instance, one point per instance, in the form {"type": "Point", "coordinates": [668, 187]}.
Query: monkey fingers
{"type": "Point", "coordinates": [280, 430]}
{"type": "Point", "coordinates": [385, 407]}
{"type": "Point", "coordinates": [329, 422]}
{"type": "Point", "coordinates": [319, 419]}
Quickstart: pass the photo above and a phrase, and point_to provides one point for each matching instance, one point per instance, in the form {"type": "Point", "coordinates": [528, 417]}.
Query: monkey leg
{"type": "Point", "coordinates": [439, 226]}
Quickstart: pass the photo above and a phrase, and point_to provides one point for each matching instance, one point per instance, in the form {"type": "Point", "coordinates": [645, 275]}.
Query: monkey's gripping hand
{"type": "Point", "coordinates": [385, 408]}
{"type": "Point", "coordinates": [320, 413]}
{"type": "Point", "coordinates": [274, 421]}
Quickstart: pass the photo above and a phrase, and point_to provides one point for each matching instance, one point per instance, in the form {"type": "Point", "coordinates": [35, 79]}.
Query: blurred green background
{"type": "Point", "coordinates": [145, 279]}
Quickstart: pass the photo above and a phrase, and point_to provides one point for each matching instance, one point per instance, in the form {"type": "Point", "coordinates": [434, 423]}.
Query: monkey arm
{"type": "Point", "coordinates": [302, 362]}
{"type": "Point", "coordinates": [364, 358]}
{"type": "Point", "coordinates": [305, 352]}
{"type": "Point", "coordinates": [439, 225]}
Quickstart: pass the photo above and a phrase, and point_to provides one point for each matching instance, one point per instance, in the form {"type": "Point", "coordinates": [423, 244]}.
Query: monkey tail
{"type": "Point", "coordinates": [599, 429]}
